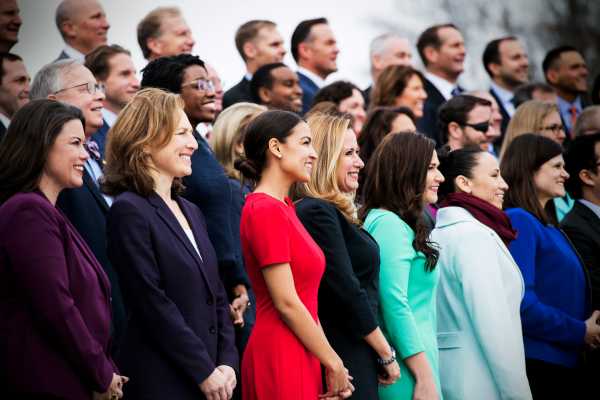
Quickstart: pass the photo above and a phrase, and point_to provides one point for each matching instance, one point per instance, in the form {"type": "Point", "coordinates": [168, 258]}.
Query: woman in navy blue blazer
{"type": "Point", "coordinates": [557, 293]}
{"type": "Point", "coordinates": [180, 341]}
{"type": "Point", "coordinates": [55, 297]}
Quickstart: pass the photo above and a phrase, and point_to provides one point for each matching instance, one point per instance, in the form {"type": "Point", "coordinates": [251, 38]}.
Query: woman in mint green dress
{"type": "Point", "coordinates": [402, 179]}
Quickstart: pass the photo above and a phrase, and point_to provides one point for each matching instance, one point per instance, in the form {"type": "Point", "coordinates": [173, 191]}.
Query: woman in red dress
{"type": "Point", "coordinates": [287, 346]}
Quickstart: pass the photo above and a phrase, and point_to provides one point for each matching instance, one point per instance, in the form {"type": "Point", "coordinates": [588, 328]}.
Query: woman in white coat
{"type": "Point", "coordinates": [479, 326]}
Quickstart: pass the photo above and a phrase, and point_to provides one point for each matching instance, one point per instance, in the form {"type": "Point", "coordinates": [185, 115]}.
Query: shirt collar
{"type": "Point", "coordinates": [441, 84]}
{"type": "Point", "coordinates": [109, 117]}
{"type": "Point", "coordinates": [248, 76]}
{"type": "Point", "coordinates": [320, 82]}
{"type": "Point", "coordinates": [504, 95]}
{"type": "Point", "coordinates": [565, 106]}
{"type": "Point", "coordinates": [5, 120]}
{"type": "Point", "coordinates": [73, 53]}
{"type": "Point", "coordinates": [594, 207]}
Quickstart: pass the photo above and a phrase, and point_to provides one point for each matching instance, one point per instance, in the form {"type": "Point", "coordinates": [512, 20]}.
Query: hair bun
{"type": "Point", "coordinates": [247, 168]}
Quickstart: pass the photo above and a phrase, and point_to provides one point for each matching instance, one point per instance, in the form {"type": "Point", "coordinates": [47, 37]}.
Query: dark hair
{"type": "Point", "coordinates": [596, 90]}
{"type": "Point", "coordinates": [455, 163]}
{"type": "Point", "coordinates": [167, 72]}
{"type": "Point", "coordinates": [97, 61]}
{"type": "Point", "coordinates": [396, 179]}
{"type": "Point", "coordinates": [457, 110]}
{"type": "Point", "coordinates": [335, 92]}
{"type": "Point", "coordinates": [524, 92]}
{"type": "Point", "coordinates": [391, 83]}
{"type": "Point", "coordinates": [491, 53]}
{"type": "Point", "coordinates": [553, 56]}
{"type": "Point", "coordinates": [8, 57]}
{"type": "Point", "coordinates": [581, 155]}
{"type": "Point", "coordinates": [431, 38]}
{"type": "Point", "coordinates": [523, 158]}
{"type": "Point", "coordinates": [302, 33]}
{"type": "Point", "coordinates": [248, 31]}
{"type": "Point", "coordinates": [266, 126]}
{"type": "Point", "coordinates": [263, 78]}
{"type": "Point", "coordinates": [25, 147]}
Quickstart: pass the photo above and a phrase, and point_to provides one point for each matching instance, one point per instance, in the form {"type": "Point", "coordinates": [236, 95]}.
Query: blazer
{"type": "Point", "coordinates": [582, 227]}
{"type": "Point", "coordinates": [86, 209]}
{"type": "Point", "coordinates": [179, 328]}
{"type": "Point", "coordinates": [208, 188]}
{"type": "Point", "coordinates": [556, 301]}
{"type": "Point", "coordinates": [479, 325]}
{"type": "Point", "coordinates": [100, 138]}
{"type": "Point", "coordinates": [428, 123]}
{"type": "Point", "coordinates": [309, 89]}
{"type": "Point", "coordinates": [2, 131]}
{"type": "Point", "coordinates": [238, 93]}
{"type": "Point", "coordinates": [54, 305]}
{"type": "Point", "coordinates": [504, 123]}
{"type": "Point", "coordinates": [367, 96]}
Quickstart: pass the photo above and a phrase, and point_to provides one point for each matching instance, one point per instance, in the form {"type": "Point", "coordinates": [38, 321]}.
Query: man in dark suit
{"type": "Point", "coordinates": [83, 27]}
{"type": "Point", "coordinates": [86, 207]}
{"type": "Point", "coordinates": [442, 50]}
{"type": "Point", "coordinates": [10, 23]}
{"type": "Point", "coordinates": [277, 87]}
{"type": "Point", "coordinates": [207, 186]}
{"type": "Point", "coordinates": [14, 88]}
{"type": "Point", "coordinates": [385, 50]}
{"type": "Point", "coordinates": [566, 71]}
{"type": "Point", "coordinates": [582, 223]}
{"type": "Point", "coordinates": [259, 43]}
{"type": "Point", "coordinates": [506, 62]}
{"type": "Point", "coordinates": [315, 50]}
{"type": "Point", "coordinates": [112, 67]}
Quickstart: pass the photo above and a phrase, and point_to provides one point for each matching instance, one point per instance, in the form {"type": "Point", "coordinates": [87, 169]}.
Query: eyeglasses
{"type": "Point", "coordinates": [201, 84]}
{"type": "Point", "coordinates": [481, 127]}
{"type": "Point", "coordinates": [91, 87]}
{"type": "Point", "coordinates": [554, 128]}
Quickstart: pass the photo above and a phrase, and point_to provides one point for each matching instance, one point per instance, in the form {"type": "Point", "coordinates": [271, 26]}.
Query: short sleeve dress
{"type": "Point", "coordinates": [276, 365]}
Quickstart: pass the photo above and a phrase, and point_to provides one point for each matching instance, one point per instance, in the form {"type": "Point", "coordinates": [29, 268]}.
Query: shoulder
{"type": "Point", "coordinates": [519, 215]}
{"type": "Point", "coordinates": [130, 203]}
{"type": "Point", "coordinates": [261, 205]}
{"type": "Point", "coordinates": [311, 205]}
{"type": "Point", "coordinates": [386, 220]}
{"type": "Point", "coordinates": [31, 202]}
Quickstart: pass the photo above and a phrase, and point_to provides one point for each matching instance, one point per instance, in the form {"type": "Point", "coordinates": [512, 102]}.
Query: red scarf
{"type": "Point", "coordinates": [485, 213]}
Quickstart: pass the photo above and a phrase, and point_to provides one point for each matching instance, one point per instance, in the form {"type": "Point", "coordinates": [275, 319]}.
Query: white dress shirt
{"type": "Point", "coordinates": [320, 82]}
{"type": "Point", "coordinates": [505, 97]}
{"type": "Point", "coordinates": [441, 84]}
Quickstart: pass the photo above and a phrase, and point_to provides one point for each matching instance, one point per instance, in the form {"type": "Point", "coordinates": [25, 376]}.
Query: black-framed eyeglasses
{"type": "Point", "coordinates": [201, 84]}
{"type": "Point", "coordinates": [481, 127]}
{"type": "Point", "coordinates": [554, 128]}
{"type": "Point", "coordinates": [91, 87]}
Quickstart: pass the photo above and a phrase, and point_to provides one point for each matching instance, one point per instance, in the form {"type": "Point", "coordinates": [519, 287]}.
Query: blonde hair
{"type": "Point", "coordinates": [228, 131]}
{"type": "Point", "coordinates": [328, 133]}
{"type": "Point", "coordinates": [149, 120]}
{"type": "Point", "coordinates": [529, 118]}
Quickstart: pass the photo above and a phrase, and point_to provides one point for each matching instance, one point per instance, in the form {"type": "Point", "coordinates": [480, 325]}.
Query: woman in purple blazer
{"type": "Point", "coordinates": [180, 341]}
{"type": "Point", "coordinates": [55, 297]}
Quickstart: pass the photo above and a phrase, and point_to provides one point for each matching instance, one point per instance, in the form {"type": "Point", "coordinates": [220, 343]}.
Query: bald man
{"type": "Point", "coordinates": [83, 27]}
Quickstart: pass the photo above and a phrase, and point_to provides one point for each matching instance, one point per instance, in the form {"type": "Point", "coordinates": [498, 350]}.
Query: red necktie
{"type": "Point", "coordinates": [573, 111]}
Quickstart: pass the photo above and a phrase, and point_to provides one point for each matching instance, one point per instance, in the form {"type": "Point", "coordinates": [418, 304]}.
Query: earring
{"type": "Point", "coordinates": [279, 156]}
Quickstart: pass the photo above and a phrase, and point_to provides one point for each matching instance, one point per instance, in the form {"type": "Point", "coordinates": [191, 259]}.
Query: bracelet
{"type": "Point", "coordinates": [390, 360]}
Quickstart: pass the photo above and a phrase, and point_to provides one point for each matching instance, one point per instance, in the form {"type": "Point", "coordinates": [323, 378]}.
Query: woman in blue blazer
{"type": "Point", "coordinates": [180, 342]}
{"type": "Point", "coordinates": [557, 293]}
{"type": "Point", "coordinates": [55, 301]}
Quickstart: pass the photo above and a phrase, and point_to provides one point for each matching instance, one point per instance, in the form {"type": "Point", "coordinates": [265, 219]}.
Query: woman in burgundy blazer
{"type": "Point", "coordinates": [54, 295]}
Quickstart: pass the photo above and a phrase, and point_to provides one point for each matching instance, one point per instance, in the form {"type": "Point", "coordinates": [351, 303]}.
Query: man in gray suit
{"type": "Point", "coordinates": [83, 27]}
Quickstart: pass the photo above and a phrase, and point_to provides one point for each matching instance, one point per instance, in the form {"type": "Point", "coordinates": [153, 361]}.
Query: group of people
{"type": "Point", "coordinates": [288, 238]}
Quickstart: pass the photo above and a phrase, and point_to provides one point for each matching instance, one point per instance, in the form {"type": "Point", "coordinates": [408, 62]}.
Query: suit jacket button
{"type": "Point", "coordinates": [212, 330]}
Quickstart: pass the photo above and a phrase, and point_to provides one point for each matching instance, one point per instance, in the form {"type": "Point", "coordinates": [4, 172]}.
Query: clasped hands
{"type": "Point", "coordinates": [339, 383]}
{"type": "Point", "coordinates": [220, 383]}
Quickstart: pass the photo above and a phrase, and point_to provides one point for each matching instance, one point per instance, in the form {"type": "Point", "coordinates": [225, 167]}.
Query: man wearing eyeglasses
{"type": "Point", "coordinates": [466, 121]}
{"type": "Point", "coordinates": [86, 207]}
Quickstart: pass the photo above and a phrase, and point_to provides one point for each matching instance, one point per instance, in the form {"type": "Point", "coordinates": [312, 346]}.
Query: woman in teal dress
{"type": "Point", "coordinates": [393, 215]}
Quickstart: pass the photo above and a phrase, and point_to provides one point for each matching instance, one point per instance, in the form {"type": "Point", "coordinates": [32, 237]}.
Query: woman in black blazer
{"type": "Point", "coordinates": [180, 342]}
{"type": "Point", "coordinates": [348, 295]}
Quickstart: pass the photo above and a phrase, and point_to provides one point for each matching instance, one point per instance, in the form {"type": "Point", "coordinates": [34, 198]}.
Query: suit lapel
{"type": "Point", "coordinates": [588, 217]}
{"type": "Point", "coordinates": [88, 182]}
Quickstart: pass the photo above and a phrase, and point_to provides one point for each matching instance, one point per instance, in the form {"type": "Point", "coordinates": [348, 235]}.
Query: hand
{"type": "Point", "coordinates": [425, 390]}
{"type": "Point", "coordinates": [241, 303]}
{"type": "Point", "coordinates": [236, 317]}
{"type": "Point", "coordinates": [229, 374]}
{"type": "Point", "coordinates": [391, 373]}
{"type": "Point", "coordinates": [338, 382]}
{"type": "Point", "coordinates": [215, 386]}
{"type": "Point", "coordinates": [592, 330]}
{"type": "Point", "coordinates": [115, 389]}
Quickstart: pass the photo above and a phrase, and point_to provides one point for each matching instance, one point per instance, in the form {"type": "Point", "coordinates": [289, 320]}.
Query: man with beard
{"type": "Point", "coordinates": [112, 67]}
{"type": "Point", "coordinates": [566, 71]}
{"type": "Point", "coordinates": [442, 50]}
{"type": "Point", "coordinates": [83, 27]}
{"type": "Point", "coordinates": [506, 62]}
{"type": "Point", "coordinates": [466, 121]}
{"type": "Point", "coordinates": [208, 185]}
{"type": "Point", "coordinates": [277, 87]}
{"type": "Point", "coordinates": [14, 88]}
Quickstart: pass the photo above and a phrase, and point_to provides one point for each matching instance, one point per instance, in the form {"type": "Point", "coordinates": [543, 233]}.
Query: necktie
{"type": "Point", "coordinates": [455, 92]}
{"type": "Point", "coordinates": [93, 150]}
{"type": "Point", "coordinates": [573, 112]}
